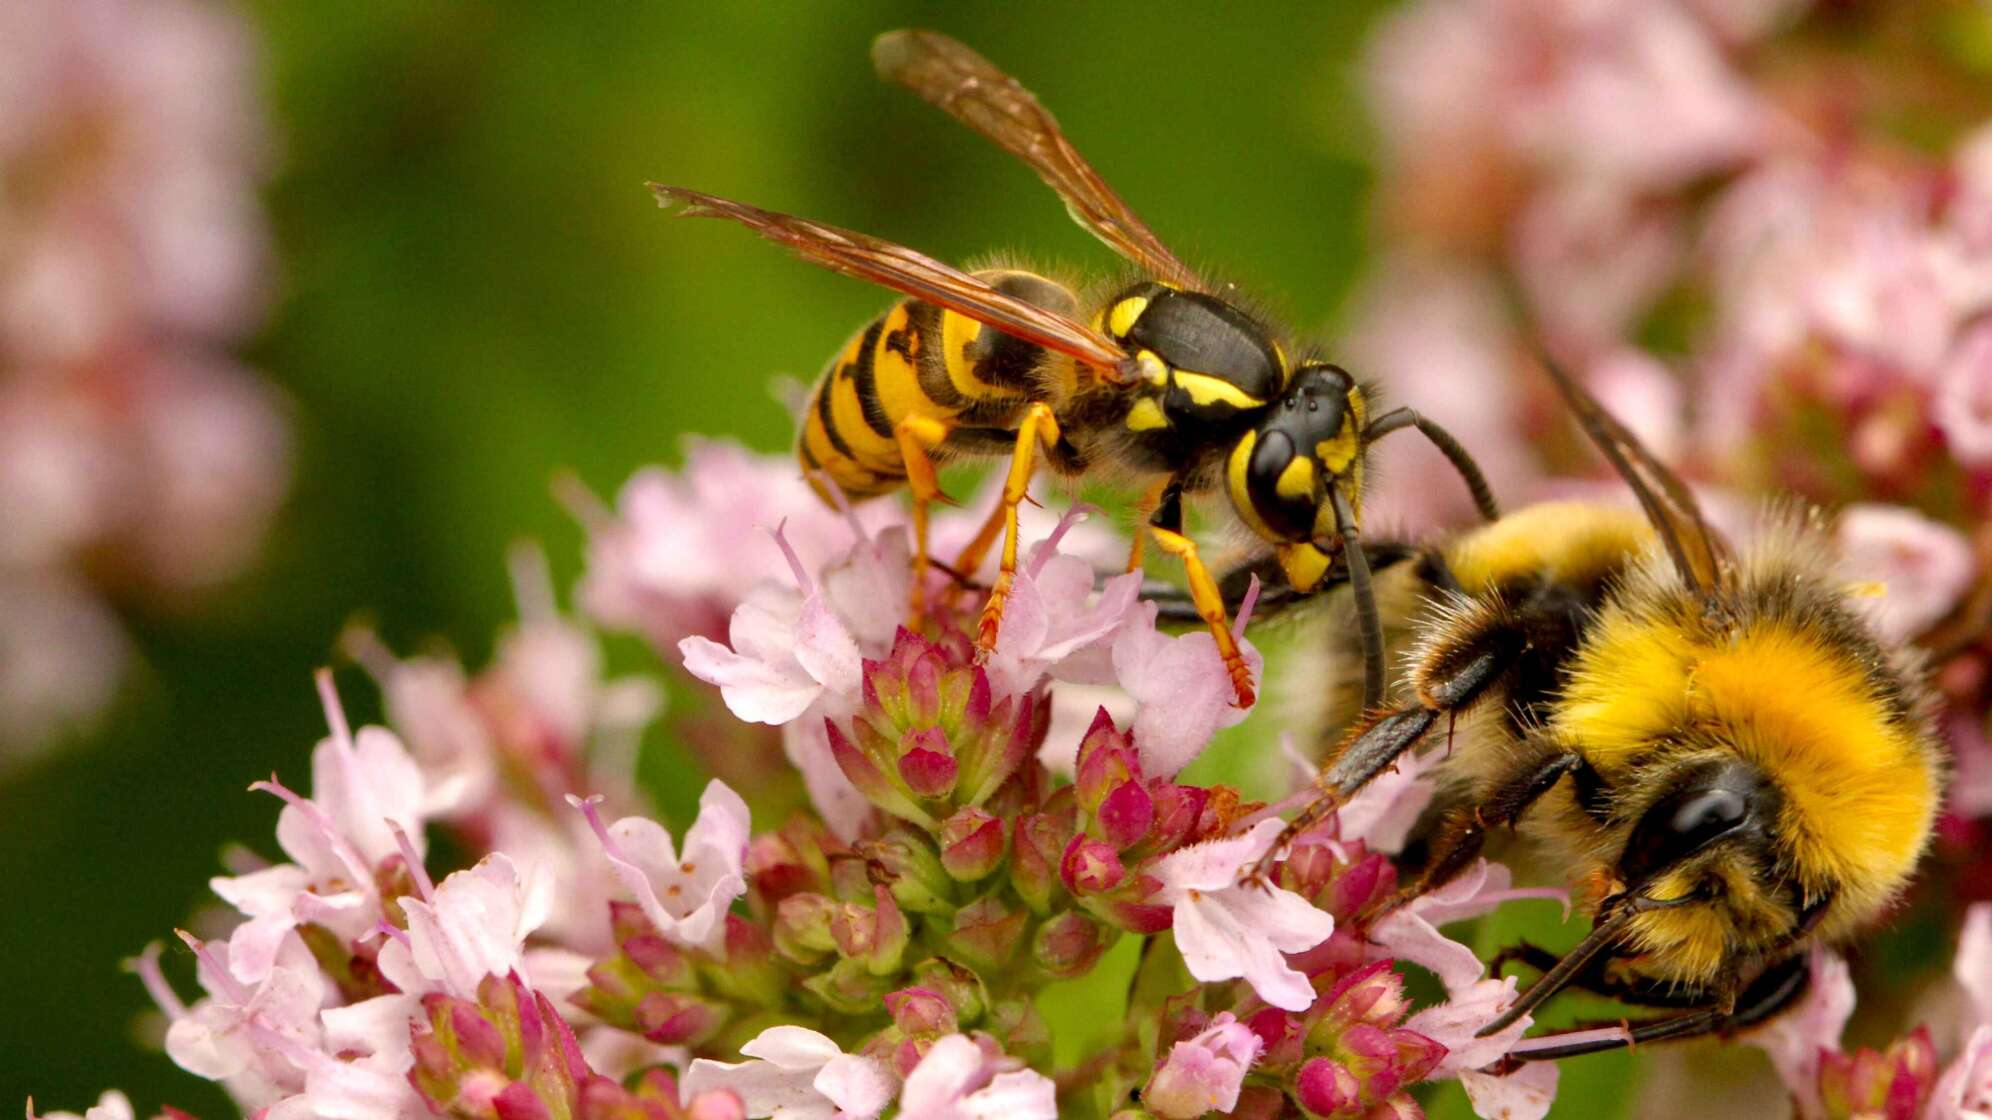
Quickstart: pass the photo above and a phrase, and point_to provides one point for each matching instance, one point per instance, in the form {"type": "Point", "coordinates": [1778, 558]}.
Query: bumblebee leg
{"type": "Point", "coordinates": [1452, 679]}
{"type": "Point", "coordinates": [917, 436]}
{"type": "Point", "coordinates": [1770, 994]}
{"type": "Point", "coordinates": [1463, 833]}
{"type": "Point", "coordinates": [1639, 992]}
{"type": "Point", "coordinates": [1167, 525]}
{"type": "Point", "coordinates": [1039, 427]}
{"type": "Point", "coordinates": [1455, 453]}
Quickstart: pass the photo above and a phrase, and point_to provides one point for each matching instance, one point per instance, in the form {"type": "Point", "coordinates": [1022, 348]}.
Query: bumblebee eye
{"type": "Point", "coordinates": [1713, 812]}
{"type": "Point", "coordinates": [1702, 809]}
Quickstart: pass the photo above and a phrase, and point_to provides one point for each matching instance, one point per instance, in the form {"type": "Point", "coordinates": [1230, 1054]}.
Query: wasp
{"type": "Point", "coordinates": [1730, 759]}
{"type": "Point", "coordinates": [1168, 379]}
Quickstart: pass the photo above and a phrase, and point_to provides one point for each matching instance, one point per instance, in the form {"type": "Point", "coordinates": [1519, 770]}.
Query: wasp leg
{"type": "Point", "coordinates": [1769, 994]}
{"type": "Point", "coordinates": [1145, 509]}
{"type": "Point", "coordinates": [1039, 427]}
{"type": "Point", "coordinates": [1638, 991]}
{"type": "Point", "coordinates": [1167, 525]}
{"type": "Point", "coordinates": [917, 437]}
{"type": "Point", "coordinates": [1463, 833]}
{"type": "Point", "coordinates": [1452, 449]}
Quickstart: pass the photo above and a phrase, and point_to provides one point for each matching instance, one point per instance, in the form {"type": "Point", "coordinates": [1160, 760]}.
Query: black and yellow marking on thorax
{"type": "Point", "coordinates": [1202, 360]}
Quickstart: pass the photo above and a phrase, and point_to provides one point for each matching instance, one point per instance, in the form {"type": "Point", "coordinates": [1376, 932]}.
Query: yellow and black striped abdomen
{"type": "Point", "coordinates": [917, 362]}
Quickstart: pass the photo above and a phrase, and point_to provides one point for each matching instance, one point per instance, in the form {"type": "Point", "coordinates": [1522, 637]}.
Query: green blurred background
{"type": "Point", "coordinates": [476, 292]}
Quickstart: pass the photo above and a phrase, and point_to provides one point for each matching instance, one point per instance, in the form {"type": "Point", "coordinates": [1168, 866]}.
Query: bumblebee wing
{"type": "Point", "coordinates": [902, 269]}
{"type": "Point", "coordinates": [972, 90]}
{"type": "Point", "coordinates": [1698, 553]}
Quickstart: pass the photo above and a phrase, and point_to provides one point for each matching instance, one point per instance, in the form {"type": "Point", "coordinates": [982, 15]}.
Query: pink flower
{"type": "Point", "coordinates": [1204, 1073]}
{"type": "Point", "coordinates": [1182, 692]}
{"type": "Point", "coordinates": [472, 925]}
{"type": "Point", "coordinates": [1411, 932]}
{"type": "Point", "coordinates": [683, 550]}
{"type": "Point", "coordinates": [1796, 1039]}
{"type": "Point", "coordinates": [1964, 1092]}
{"type": "Point", "coordinates": [1383, 812]}
{"type": "Point", "coordinates": [797, 1074]}
{"type": "Point", "coordinates": [795, 657]}
{"type": "Point", "coordinates": [1226, 929]}
{"type": "Point", "coordinates": [112, 1105]}
{"type": "Point", "coordinates": [1054, 624]}
{"type": "Point", "coordinates": [959, 1079]}
{"type": "Point", "coordinates": [1522, 1095]}
{"type": "Point", "coordinates": [1922, 566]}
{"type": "Point", "coordinates": [686, 895]}
{"type": "Point", "coordinates": [253, 1036]}
{"type": "Point", "coordinates": [368, 796]}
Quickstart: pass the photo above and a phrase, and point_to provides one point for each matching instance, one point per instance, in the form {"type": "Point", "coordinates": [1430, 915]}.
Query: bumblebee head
{"type": "Point", "coordinates": [1203, 361]}
{"type": "Point", "coordinates": [1701, 872]}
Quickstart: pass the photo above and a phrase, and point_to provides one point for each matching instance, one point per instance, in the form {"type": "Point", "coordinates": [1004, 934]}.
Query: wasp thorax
{"type": "Point", "coordinates": [1203, 360]}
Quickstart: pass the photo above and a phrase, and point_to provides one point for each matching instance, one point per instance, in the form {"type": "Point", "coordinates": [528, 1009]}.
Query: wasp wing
{"type": "Point", "coordinates": [1698, 553]}
{"type": "Point", "coordinates": [972, 90]}
{"type": "Point", "coordinates": [905, 270]}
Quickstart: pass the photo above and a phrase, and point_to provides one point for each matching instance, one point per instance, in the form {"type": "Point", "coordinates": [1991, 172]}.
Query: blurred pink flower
{"type": "Point", "coordinates": [132, 251]}
{"type": "Point", "coordinates": [1922, 566]}
{"type": "Point", "coordinates": [797, 1074]}
{"type": "Point", "coordinates": [1593, 258]}
{"type": "Point", "coordinates": [1435, 335]}
{"type": "Point", "coordinates": [1203, 1074]}
{"type": "Point", "coordinates": [685, 895]}
{"type": "Point", "coordinates": [1963, 409]}
{"type": "Point", "coordinates": [1226, 929]}
{"type": "Point", "coordinates": [961, 1079]}
{"type": "Point", "coordinates": [62, 654]}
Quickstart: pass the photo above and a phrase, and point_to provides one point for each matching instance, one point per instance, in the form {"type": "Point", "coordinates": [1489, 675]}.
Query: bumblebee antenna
{"type": "Point", "coordinates": [1365, 596]}
{"type": "Point", "coordinates": [1670, 506]}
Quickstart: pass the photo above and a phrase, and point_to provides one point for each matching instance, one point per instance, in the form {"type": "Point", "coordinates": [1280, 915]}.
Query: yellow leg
{"type": "Point", "coordinates": [1210, 605]}
{"type": "Point", "coordinates": [1143, 510]}
{"type": "Point", "coordinates": [973, 554]}
{"type": "Point", "coordinates": [1039, 426]}
{"type": "Point", "coordinates": [918, 435]}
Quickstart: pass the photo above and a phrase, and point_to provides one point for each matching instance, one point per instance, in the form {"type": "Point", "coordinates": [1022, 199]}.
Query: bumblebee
{"type": "Point", "coordinates": [1168, 378]}
{"type": "Point", "coordinates": [1730, 759]}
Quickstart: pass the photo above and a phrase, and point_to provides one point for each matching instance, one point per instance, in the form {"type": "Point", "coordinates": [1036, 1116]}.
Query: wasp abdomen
{"type": "Point", "coordinates": [922, 365]}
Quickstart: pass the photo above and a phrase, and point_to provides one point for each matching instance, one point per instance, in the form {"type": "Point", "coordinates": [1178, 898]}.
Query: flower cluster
{"type": "Point", "coordinates": [883, 951]}
{"type": "Point", "coordinates": [136, 459]}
